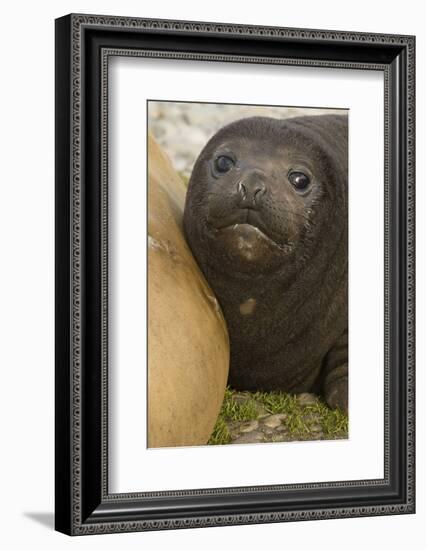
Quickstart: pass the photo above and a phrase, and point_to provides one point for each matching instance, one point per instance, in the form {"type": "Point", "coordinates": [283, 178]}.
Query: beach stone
{"type": "Point", "coordinates": [249, 426]}
{"type": "Point", "coordinates": [260, 409]}
{"type": "Point", "coordinates": [280, 437]}
{"type": "Point", "coordinates": [315, 428]}
{"type": "Point", "coordinates": [273, 421]}
{"type": "Point", "coordinates": [252, 437]}
{"type": "Point", "coordinates": [309, 418]}
{"type": "Point", "coordinates": [307, 399]}
{"type": "Point", "coordinates": [188, 345]}
{"type": "Point", "coordinates": [281, 428]}
{"type": "Point", "coordinates": [274, 428]}
{"type": "Point", "coordinates": [241, 398]}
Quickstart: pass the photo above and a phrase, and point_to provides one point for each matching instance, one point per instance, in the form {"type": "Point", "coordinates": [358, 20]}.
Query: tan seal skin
{"type": "Point", "coordinates": [188, 346]}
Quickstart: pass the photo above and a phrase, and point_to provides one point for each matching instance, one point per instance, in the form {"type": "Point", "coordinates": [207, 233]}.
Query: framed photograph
{"type": "Point", "coordinates": [234, 274]}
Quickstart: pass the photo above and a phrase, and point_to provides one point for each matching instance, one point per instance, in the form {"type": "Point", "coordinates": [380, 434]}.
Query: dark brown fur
{"type": "Point", "coordinates": [278, 267]}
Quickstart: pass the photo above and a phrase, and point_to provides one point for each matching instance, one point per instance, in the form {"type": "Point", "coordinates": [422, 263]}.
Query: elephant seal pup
{"type": "Point", "coordinates": [266, 217]}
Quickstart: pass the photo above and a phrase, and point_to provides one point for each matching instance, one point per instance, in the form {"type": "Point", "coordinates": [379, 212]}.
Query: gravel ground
{"type": "Point", "coordinates": [183, 129]}
{"type": "Point", "coordinates": [248, 417]}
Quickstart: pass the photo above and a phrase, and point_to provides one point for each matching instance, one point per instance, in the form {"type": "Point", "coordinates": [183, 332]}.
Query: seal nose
{"type": "Point", "coordinates": [250, 191]}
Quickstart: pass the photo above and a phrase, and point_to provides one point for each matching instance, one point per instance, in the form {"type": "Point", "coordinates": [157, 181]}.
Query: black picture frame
{"type": "Point", "coordinates": [83, 504]}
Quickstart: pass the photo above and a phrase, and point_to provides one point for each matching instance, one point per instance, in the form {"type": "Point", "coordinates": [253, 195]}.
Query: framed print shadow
{"type": "Point", "coordinates": [234, 274]}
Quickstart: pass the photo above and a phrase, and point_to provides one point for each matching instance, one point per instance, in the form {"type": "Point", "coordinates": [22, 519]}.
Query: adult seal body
{"type": "Point", "coordinates": [266, 219]}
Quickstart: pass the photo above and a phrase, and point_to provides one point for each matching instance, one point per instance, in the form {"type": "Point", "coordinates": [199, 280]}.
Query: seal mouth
{"type": "Point", "coordinates": [245, 226]}
{"type": "Point", "coordinates": [248, 219]}
{"type": "Point", "coordinates": [244, 216]}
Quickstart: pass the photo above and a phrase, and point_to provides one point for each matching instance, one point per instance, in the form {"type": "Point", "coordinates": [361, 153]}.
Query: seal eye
{"type": "Point", "coordinates": [299, 180]}
{"type": "Point", "coordinates": [223, 164]}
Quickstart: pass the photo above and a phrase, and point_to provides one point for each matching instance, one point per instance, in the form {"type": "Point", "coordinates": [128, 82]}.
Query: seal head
{"type": "Point", "coordinates": [266, 219]}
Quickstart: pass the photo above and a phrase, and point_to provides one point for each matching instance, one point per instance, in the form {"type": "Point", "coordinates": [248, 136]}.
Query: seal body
{"type": "Point", "coordinates": [185, 326]}
{"type": "Point", "coordinates": [266, 219]}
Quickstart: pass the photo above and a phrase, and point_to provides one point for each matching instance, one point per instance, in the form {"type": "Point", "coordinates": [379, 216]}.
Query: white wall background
{"type": "Point", "coordinates": [26, 288]}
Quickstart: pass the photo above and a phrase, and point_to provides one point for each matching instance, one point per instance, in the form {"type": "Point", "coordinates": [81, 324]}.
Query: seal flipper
{"type": "Point", "coordinates": [335, 374]}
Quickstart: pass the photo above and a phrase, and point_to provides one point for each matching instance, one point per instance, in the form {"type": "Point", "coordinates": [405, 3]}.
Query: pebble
{"type": "Point", "coordinates": [315, 428]}
{"type": "Point", "coordinates": [307, 399]}
{"type": "Point", "coordinates": [249, 426]}
{"type": "Point", "coordinates": [241, 398]}
{"type": "Point", "coordinates": [307, 418]}
{"type": "Point", "coordinates": [253, 437]}
{"type": "Point", "coordinates": [270, 428]}
{"type": "Point", "coordinates": [260, 409]}
{"type": "Point", "coordinates": [281, 428]}
{"type": "Point", "coordinates": [277, 438]}
{"type": "Point", "coordinates": [273, 421]}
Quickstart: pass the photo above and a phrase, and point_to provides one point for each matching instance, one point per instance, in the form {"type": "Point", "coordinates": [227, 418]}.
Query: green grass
{"type": "Point", "coordinates": [300, 418]}
{"type": "Point", "coordinates": [277, 402]}
{"type": "Point", "coordinates": [335, 422]}
{"type": "Point", "coordinates": [231, 410]}
{"type": "Point", "coordinates": [220, 435]}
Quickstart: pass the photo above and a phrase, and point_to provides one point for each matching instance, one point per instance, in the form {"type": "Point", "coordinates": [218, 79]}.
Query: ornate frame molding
{"type": "Point", "coordinates": [75, 502]}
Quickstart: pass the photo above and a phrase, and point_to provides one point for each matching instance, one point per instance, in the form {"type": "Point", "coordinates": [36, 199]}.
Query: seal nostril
{"type": "Point", "coordinates": [250, 192]}
{"type": "Point", "coordinates": [242, 190]}
{"type": "Point", "coordinates": [258, 192]}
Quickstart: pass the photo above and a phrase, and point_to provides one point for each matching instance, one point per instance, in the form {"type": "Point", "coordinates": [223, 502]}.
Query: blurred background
{"type": "Point", "coordinates": [182, 129]}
